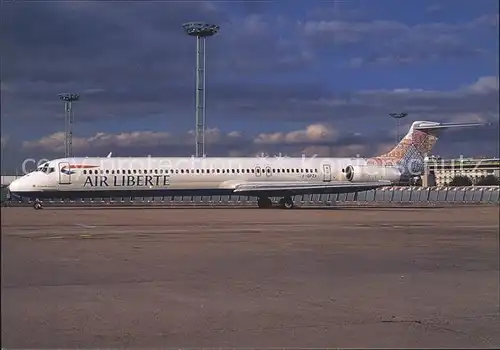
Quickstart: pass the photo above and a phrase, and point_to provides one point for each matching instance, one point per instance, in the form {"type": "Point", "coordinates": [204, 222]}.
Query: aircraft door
{"type": "Point", "coordinates": [268, 171]}
{"type": "Point", "coordinates": [327, 173]}
{"type": "Point", "coordinates": [64, 173]}
{"type": "Point", "coordinates": [257, 171]}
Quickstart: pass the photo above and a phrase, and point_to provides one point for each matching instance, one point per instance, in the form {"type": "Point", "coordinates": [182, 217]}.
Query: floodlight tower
{"type": "Point", "coordinates": [68, 99]}
{"type": "Point", "coordinates": [398, 117]}
{"type": "Point", "coordinates": [201, 31]}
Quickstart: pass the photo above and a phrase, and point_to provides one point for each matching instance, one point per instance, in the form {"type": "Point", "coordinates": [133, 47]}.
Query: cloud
{"type": "Point", "coordinates": [392, 42]}
{"type": "Point", "coordinates": [321, 138]}
{"type": "Point", "coordinates": [312, 133]}
{"type": "Point", "coordinates": [485, 85]}
{"type": "Point", "coordinates": [479, 99]}
{"type": "Point", "coordinates": [129, 140]}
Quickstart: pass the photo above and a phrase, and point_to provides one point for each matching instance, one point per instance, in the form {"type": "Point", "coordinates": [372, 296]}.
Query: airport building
{"type": "Point", "coordinates": [443, 171]}
{"type": "Point", "coordinates": [7, 179]}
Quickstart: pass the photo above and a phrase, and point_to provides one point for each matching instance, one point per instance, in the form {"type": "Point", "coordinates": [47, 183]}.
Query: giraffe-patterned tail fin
{"type": "Point", "coordinates": [417, 143]}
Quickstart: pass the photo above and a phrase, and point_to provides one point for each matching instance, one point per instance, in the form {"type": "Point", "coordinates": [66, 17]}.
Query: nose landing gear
{"type": "Point", "coordinates": [37, 205]}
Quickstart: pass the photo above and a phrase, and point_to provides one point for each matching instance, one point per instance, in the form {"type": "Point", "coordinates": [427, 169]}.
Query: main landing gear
{"type": "Point", "coordinates": [284, 203]}
{"type": "Point", "coordinates": [37, 205]}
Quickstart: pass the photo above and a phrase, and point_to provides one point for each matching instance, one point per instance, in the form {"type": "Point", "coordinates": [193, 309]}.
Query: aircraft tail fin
{"type": "Point", "coordinates": [418, 142]}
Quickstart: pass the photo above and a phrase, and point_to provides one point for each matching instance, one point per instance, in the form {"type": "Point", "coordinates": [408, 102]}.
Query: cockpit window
{"type": "Point", "coordinates": [51, 170]}
{"type": "Point", "coordinates": [44, 168]}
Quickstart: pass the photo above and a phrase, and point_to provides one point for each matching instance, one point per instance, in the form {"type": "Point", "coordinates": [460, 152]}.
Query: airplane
{"type": "Point", "coordinates": [284, 177]}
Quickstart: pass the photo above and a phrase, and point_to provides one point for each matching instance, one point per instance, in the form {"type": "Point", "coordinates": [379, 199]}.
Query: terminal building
{"type": "Point", "coordinates": [7, 179]}
{"type": "Point", "coordinates": [442, 171]}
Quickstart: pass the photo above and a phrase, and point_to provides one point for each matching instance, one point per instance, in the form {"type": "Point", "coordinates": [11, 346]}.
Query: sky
{"type": "Point", "coordinates": [289, 77]}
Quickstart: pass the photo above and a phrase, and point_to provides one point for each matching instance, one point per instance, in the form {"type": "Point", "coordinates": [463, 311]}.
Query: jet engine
{"type": "Point", "coordinates": [367, 173]}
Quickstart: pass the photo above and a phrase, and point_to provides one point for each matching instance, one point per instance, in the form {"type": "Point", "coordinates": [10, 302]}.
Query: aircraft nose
{"type": "Point", "coordinates": [16, 186]}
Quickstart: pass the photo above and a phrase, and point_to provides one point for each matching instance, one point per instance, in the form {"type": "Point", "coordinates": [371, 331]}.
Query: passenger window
{"type": "Point", "coordinates": [85, 172]}
{"type": "Point", "coordinates": [107, 171]}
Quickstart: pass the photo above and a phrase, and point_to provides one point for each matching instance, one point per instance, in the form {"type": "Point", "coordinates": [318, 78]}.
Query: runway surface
{"type": "Point", "coordinates": [345, 277]}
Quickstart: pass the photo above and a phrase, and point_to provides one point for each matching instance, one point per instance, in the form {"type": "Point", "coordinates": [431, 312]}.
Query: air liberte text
{"type": "Point", "coordinates": [127, 181]}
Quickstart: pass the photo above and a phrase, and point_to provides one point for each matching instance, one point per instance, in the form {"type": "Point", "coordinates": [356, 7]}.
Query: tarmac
{"type": "Point", "coordinates": [333, 277]}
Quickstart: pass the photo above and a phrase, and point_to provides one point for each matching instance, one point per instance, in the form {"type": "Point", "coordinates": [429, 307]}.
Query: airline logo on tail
{"type": "Point", "coordinates": [409, 153]}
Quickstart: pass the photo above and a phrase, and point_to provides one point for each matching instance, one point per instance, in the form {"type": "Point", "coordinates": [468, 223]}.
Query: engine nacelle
{"type": "Point", "coordinates": [367, 173]}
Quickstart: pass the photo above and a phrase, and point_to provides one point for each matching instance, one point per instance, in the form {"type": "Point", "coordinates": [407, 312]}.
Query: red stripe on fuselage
{"type": "Point", "coordinates": [82, 166]}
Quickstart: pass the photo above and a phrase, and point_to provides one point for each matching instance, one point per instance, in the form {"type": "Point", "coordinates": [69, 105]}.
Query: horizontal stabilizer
{"type": "Point", "coordinates": [435, 125]}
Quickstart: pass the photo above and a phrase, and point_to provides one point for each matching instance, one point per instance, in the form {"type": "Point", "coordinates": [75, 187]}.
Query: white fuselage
{"type": "Point", "coordinates": [184, 176]}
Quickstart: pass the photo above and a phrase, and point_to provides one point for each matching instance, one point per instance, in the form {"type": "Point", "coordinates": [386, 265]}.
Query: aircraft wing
{"type": "Point", "coordinates": [298, 187]}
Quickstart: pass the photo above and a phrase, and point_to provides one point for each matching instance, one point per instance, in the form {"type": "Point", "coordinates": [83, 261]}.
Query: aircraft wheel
{"type": "Point", "coordinates": [38, 205]}
{"type": "Point", "coordinates": [286, 203]}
